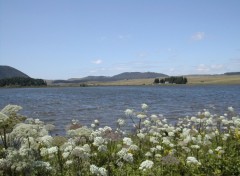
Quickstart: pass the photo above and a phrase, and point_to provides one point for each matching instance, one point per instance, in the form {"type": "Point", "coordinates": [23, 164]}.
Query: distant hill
{"type": "Point", "coordinates": [10, 72]}
{"type": "Point", "coordinates": [232, 73]}
{"type": "Point", "coordinates": [137, 75]}
{"type": "Point", "coordinates": [122, 76]}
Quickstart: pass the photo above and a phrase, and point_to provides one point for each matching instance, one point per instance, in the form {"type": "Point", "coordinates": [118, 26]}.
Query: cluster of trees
{"type": "Point", "coordinates": [171, 80]}
{"type": "Point", "coordinates": [21, 82]}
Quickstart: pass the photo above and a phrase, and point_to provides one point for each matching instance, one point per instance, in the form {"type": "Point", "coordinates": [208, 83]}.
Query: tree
{"type": "Point", "coordinates": [156, 81]}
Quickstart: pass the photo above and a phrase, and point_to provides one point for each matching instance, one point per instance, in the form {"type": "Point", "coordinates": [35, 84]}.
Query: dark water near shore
{"type": "Point", "coordinates": [60, 105]}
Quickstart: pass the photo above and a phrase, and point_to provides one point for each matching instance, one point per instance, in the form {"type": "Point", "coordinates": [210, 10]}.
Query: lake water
{"type": "Point", "coordinates": [60, 105]}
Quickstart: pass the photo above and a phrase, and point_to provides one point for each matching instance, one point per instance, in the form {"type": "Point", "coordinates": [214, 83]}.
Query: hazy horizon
{"type": "Point", "coordinates": [73, 39]}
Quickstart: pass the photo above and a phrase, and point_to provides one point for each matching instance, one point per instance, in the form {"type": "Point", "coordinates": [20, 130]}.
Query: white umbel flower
{"type": "Point", "coordinates": [192, 160]}
{"type": "Point", "coordinates": [127, 141]}
{"type": "Point", "coordinates": [144, 106]}
{"type": "Point", "coordinates": [148, 164]}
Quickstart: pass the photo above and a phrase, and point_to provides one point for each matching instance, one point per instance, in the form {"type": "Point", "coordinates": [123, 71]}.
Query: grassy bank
{"type": "Point", "coordinates": [192, 80]}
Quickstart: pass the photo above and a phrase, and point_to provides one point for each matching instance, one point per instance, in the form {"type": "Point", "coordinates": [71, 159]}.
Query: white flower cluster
{"type": "Point", "coordinates": [145, 165]}
{"type": "Point", "coordinates": [192, 160]}
{"type": "Point", "coordinates": [99, 171]}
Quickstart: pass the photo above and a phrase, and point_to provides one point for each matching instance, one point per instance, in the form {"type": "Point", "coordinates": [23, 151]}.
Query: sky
{"type": "Point", "coordinates": [61, 39]}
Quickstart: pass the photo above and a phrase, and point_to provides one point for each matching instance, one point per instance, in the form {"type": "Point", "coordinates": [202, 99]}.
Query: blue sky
{"type": "Point", "coordinates": [60, 39]}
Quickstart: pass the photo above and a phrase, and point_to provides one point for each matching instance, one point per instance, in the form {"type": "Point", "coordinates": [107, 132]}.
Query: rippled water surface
{"type": "Point", "coordinates": [60, 105]}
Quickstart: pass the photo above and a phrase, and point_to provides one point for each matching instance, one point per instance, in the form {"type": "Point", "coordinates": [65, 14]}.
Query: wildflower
{"type": "Point", "coordinates": [128, 157]}
{"type": "Point", "coordinates": [120, 122]}
{"type": "Point", "coordinates": [195, 146]}
{"type": "Point", "coordinates": [147, 164]}
{"type": "Point", "coordinates": [146, 122]}
{"type": "Point", "coordinates": [11, 110]}
{"type": "Point", "coordinates": [127, 141]}
{"type": "Point", "coordinates": [210, 151]}
{"type": "Point", "coordinates": [128, 112]}
{"type": "Point", "coordinates": [93, 169]}
{"type": "Point", "coordinates": [52, 150]}
{"type": "Point", "coordinates": [141, 116]}
{"type": "Point", "coordinates": [231, 109]}
{"type": "Point", "coordinates": [144, 106]}
{"type": "Point", "coordinates": [65, 154]}
{"type": "Point", "coordinates": [153, 140]}
{"type": "Point", "coordinates": [102, 148]}
{"type": "Point", "coordinates": [69, 162]}
{"type": "Point", "coordinates": [3, 117]}
{"type": "Point", "coordinates": [192, 160]}
{"type": "Point", "coordinates": [141, 135]}
{"type": "Point", "coordinates": [102, 171]}
{"type": "Point", "coordinates": [148, 154]}
{"type": "Point", "coordinates": [96, 122]}
{"type": "Point", "coordinates": [158, 147]}
{"type": "Point", "coordinates": [98, 141]}
{"type": "Point", "coordinates": [154, 117]}
{"type": "Point", "coordinates": [133, 147]}
{"type": "Point", "coordinates": [207, 114]}
{"type": "Point", "coordinates": [225, 136]}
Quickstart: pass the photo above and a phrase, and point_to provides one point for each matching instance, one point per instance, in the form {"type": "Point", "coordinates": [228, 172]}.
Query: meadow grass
{"type": "Point", "coordinates": [204, 144]}
{"type": "Point", "coordinates": [192, 80]}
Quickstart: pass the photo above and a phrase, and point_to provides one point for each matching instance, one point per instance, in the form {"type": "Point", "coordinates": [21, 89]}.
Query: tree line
{"type": "Point", "coordinates": [21, 82]}
{"type": "Point", "coordinates": [171, 80]}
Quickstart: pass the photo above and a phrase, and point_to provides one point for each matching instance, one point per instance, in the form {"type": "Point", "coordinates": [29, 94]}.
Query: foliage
{"type": "Point", "coordinates": [21, 81]}
{"type": "Point", "coordinates": [156, 81]}
{"type": "Point", "coordinates": [204, 144]}
{"type": "Point", "coordinates": [174, 80]}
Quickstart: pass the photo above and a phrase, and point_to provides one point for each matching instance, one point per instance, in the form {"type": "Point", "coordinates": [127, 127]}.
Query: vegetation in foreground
{"type": "Point", "coordinates": [205, 144]}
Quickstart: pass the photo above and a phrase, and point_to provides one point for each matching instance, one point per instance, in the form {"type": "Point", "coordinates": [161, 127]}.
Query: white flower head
{"type": "Point", "coordinates": [98, 141]}
{"type": "Point", "coordinates": [127, 141]}
{"type": "Point", "coordinates": [144, 106]}
{"type": "Point", "coordinates": [96, 122]}
{"type": "Point", "coordinates": [231, 109]}
{"type": "Point", "coordinates": [192, 160]}
{"type": "Point", "coordinates": [120, 122]}
{"type": "Point", "coordinates": [128, 112]}
{"type": "Point", "coordinates": [11, 109]}
{"type": "Point", "coordinates": [3, 117]}
{"type": "Point", "coordinates": [141, 116]}
{"type": "Point", "coordinates": [141, 135]}
{"type": "Point", "coordinates": [148, 164]}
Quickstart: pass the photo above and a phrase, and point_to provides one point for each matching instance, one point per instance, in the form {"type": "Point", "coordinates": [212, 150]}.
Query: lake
{"type": "Point", "coordinates": [60, 105]}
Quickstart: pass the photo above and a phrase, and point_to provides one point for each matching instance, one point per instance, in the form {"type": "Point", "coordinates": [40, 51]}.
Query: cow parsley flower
{"type": "Point", "coordinates": [192, 160]}
{"type": "Point", "coordinates": [128, 157]}
{"type": "Point", "coordinates": [98, 141]}
{"type": "Point", "coordinates": [10, 110]}
{"type": "Point", "coordinates": [52, 150]}
{"type": "Point", "coordinates": [148, 164]}
{"type": "Point", "coordinates": [3, 117]}
{"type": "Point", "coordinates": [144, 106]}
{"type": "Point", "coordinates": [127, 141]}
{"type": "Point", "coordinates": [128, 112]}
{"type": "Point", "coordinates": [100, 171]}
{"type": "Point", "coordinates": [93, 169]}
{"type": "Point", "coordinates": [141, 116]}
{"type": "Point", "coordinates": [120, 122]}
{"type": "Point", "coordinates": [141, 135]}
{"type": "Point", "coordinates": [231, 109]}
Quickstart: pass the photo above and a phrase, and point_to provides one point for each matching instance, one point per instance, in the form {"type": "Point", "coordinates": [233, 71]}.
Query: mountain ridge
{"type": "Point", "coordinates": [10, 72]}
{"type": "Point", "coordinates": [121, 76]}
